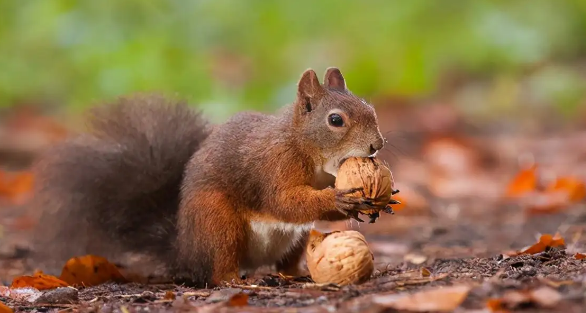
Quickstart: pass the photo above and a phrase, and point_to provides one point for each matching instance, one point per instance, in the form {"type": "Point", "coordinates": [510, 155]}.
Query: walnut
{"type": "Point", "coordinates": [340, 257]}
{"type": "Point", "coordinates": [373, 176]}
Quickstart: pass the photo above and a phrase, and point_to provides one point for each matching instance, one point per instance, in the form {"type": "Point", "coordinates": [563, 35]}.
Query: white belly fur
{"type": "Point", "coordinates": [270, 241]}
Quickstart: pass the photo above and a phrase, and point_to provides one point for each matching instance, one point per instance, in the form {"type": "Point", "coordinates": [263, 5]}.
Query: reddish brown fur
{"type": "Point", "coordinates": [254, 168]}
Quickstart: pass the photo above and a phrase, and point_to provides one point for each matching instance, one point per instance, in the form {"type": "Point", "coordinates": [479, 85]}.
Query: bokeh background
{"type": "Point", "coordinates": [469, 93]}
{"type": "Point", "coordinates": [227, 56]}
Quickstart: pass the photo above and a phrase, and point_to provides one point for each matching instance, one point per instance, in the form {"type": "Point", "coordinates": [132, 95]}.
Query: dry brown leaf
{"type": "Point", "coordinates": [545, 202]}
{"type": "Point", "coordinates": [573, 187]}
{"type": "Point", "coordinates": [425, 272]}
{"type": "Point", "coordinates": [30, 120]}
{"type": "Point", "coordinates": [237, 300]}
{"type": "Point", "coordinates": [544, 297]}
{"type": "Point", "coordinates": [169, 295]}
{"type": "Point", "coordinates": [415, 258]}
{"type": "Point", "coordinates": [546, 240]}
{"type": "Point", "coordinates": [495, 305]}
{"type": "Point", "coordinates": [38, 281]}
{"type": "Point", "coordinates": [14, 186]}
{"type": "Point", "coordinates": [579, 256]}
{"type": "Point", "coordinates": [445, 299]}
{"type": "Point", "coordinates": [5, 309]}
{"type": "Point", "coordinates": [451, 156]}
{"type": "Point", "coordinates": [90, 270]}
{"type": "Point", "coordinates": [525, 181]}
{"type": "Point", "coordinates": [557, 196]}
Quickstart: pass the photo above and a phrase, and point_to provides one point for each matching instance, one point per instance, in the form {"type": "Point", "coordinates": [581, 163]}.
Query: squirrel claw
{"type": "Point", "coordinates": [393, 201]}
{"type": "Point", "coordinates": [351, 214]}
{"type": "Point", "coordinates": [354, 215]}
{"type": "Point", "coordinates": [394, 192]}
{"type": "Point", "coordinates": [373, 217]}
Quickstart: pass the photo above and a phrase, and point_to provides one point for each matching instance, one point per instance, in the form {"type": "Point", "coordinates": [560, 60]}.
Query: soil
{"type": "Point", "coordinates": [455, 229]}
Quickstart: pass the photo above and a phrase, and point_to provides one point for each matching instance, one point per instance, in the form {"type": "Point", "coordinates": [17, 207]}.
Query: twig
{"type": "Point", "coordinates": [252, 287]}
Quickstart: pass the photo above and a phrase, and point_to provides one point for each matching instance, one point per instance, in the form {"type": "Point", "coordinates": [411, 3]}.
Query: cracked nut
{"type": "Point", "coordinates": [340, 257]}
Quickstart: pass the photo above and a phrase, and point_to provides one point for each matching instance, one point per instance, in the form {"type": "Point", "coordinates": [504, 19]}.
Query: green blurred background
{"type": "Point", "coordinates": [227, 56]}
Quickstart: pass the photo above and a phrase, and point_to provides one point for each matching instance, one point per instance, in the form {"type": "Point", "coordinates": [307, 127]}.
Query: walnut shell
{"type": "Point", "coordinates": [340, 257]}
{"type": "Point", "coordinates": [370, 174]}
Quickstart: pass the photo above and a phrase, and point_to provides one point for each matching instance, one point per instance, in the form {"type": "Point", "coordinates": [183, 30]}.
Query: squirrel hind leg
{"type": "Point", "coordinates": [211, 240]}
{"type": "Point", "coordinates": [289, 264]}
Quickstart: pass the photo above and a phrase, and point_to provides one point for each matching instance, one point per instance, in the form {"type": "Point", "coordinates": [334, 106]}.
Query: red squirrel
{"type": "Point", "coordinates": [209, 202]}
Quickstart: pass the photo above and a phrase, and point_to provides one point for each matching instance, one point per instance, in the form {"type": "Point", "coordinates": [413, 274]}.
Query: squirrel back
{"type": "Point", "coordinates": [116, 188]}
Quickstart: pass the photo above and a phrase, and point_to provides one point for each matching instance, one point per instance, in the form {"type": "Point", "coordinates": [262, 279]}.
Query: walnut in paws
{"type": "Point", "coordinates": [373, 178]}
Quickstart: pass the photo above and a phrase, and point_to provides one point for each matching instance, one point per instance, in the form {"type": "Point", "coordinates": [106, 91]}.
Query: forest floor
{"type": "Point", "coordinates": [472, 204]}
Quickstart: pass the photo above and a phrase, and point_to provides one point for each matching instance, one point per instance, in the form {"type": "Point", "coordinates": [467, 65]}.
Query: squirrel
{"type": "Point", "coordinates": [210, 202]}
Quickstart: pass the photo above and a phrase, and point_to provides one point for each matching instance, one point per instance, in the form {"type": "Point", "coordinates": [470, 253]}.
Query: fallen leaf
{"type": "Point", "coordinates": [29, 294]}
{"type": "Point", "coordinates": [513, 298]}
{"type": "Point", "coordinates": [544, 297]}
{"type": "Point", "coordinates": [573, 187]}
{"type": "Point", "coordinates": [579, 256]}
{"type": "Point", "coordinates": [169, 295]}
{"type": "Point", "coordinates": [451, 156]}
{"type": "Point", "coordinates": [90, 270]}
{"type": "Point", "coordinates": [5, 309]}
{"type": "Point", "coordinates": [38, 281]}
{"type": "Point", "coordinates": [545, 202]}
{"type": "Point", "coordinates": [425, 272]}
{"type": "Point", "coordinates": [558, 196]}
{"type": "Point", "coordinates": [445, 299]}
{"type": "Point", "coordinates": [494, 304]}
{"type": "Point", "coordinates": [286, 277]}
{"type": "Point", "coordinates": [237, 300]}
{"type": "Point", "coordinates": [30, 120]}
{"type": "Point", "coordinates": [14, 186]}
{"type": "Point", "coordinates": [415, 258]}
{"type": "Point", "coordinates": [546, 240]}
{"type": "Point", "coordinates": [525, 181]}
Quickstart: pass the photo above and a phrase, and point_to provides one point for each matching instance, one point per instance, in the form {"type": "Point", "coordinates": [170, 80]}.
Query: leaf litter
{"type": "Point", "coordinates": [463, 239]}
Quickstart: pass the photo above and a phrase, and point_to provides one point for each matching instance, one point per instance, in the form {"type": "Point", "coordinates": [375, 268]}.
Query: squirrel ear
{"type": "Point", "coordinates": [308, 88]}
{"type": "Point", "coordinates": [334, 79]}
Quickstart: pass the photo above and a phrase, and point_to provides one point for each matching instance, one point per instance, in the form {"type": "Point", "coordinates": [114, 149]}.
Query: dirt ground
{"type": "Point", "coordinates": [450, 242]}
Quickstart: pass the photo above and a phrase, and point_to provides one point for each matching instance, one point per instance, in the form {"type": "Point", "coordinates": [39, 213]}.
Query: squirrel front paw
{"type": "Point", "coordinates": [351, 205]}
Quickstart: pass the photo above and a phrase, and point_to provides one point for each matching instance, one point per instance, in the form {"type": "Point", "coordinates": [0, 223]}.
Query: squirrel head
{"type": "Point", "coordinates": [333, 121]}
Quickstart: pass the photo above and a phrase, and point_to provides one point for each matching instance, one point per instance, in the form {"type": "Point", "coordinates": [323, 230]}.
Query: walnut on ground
{"type": "Point", "coordinates": [340, 257]}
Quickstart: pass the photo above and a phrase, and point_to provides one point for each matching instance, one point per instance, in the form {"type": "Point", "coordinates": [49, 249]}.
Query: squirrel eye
{"type": "Point", "coordinates": [335, 120]}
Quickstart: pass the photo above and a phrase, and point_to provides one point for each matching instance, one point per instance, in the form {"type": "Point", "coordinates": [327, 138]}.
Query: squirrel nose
{"type": "Point", "coordinates": [377, 145]}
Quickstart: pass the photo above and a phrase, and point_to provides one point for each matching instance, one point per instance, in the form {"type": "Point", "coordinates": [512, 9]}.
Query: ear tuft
{"type": "Point", "coordinates": [333, 79]}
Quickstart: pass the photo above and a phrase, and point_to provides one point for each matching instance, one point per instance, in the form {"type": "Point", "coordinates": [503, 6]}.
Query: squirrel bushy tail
{"type": "Point", "coordinates": [116, 188]}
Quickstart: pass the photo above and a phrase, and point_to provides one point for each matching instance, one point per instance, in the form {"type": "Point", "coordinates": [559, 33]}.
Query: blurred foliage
{"type": "Point", "coordinates": [232, 55]}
